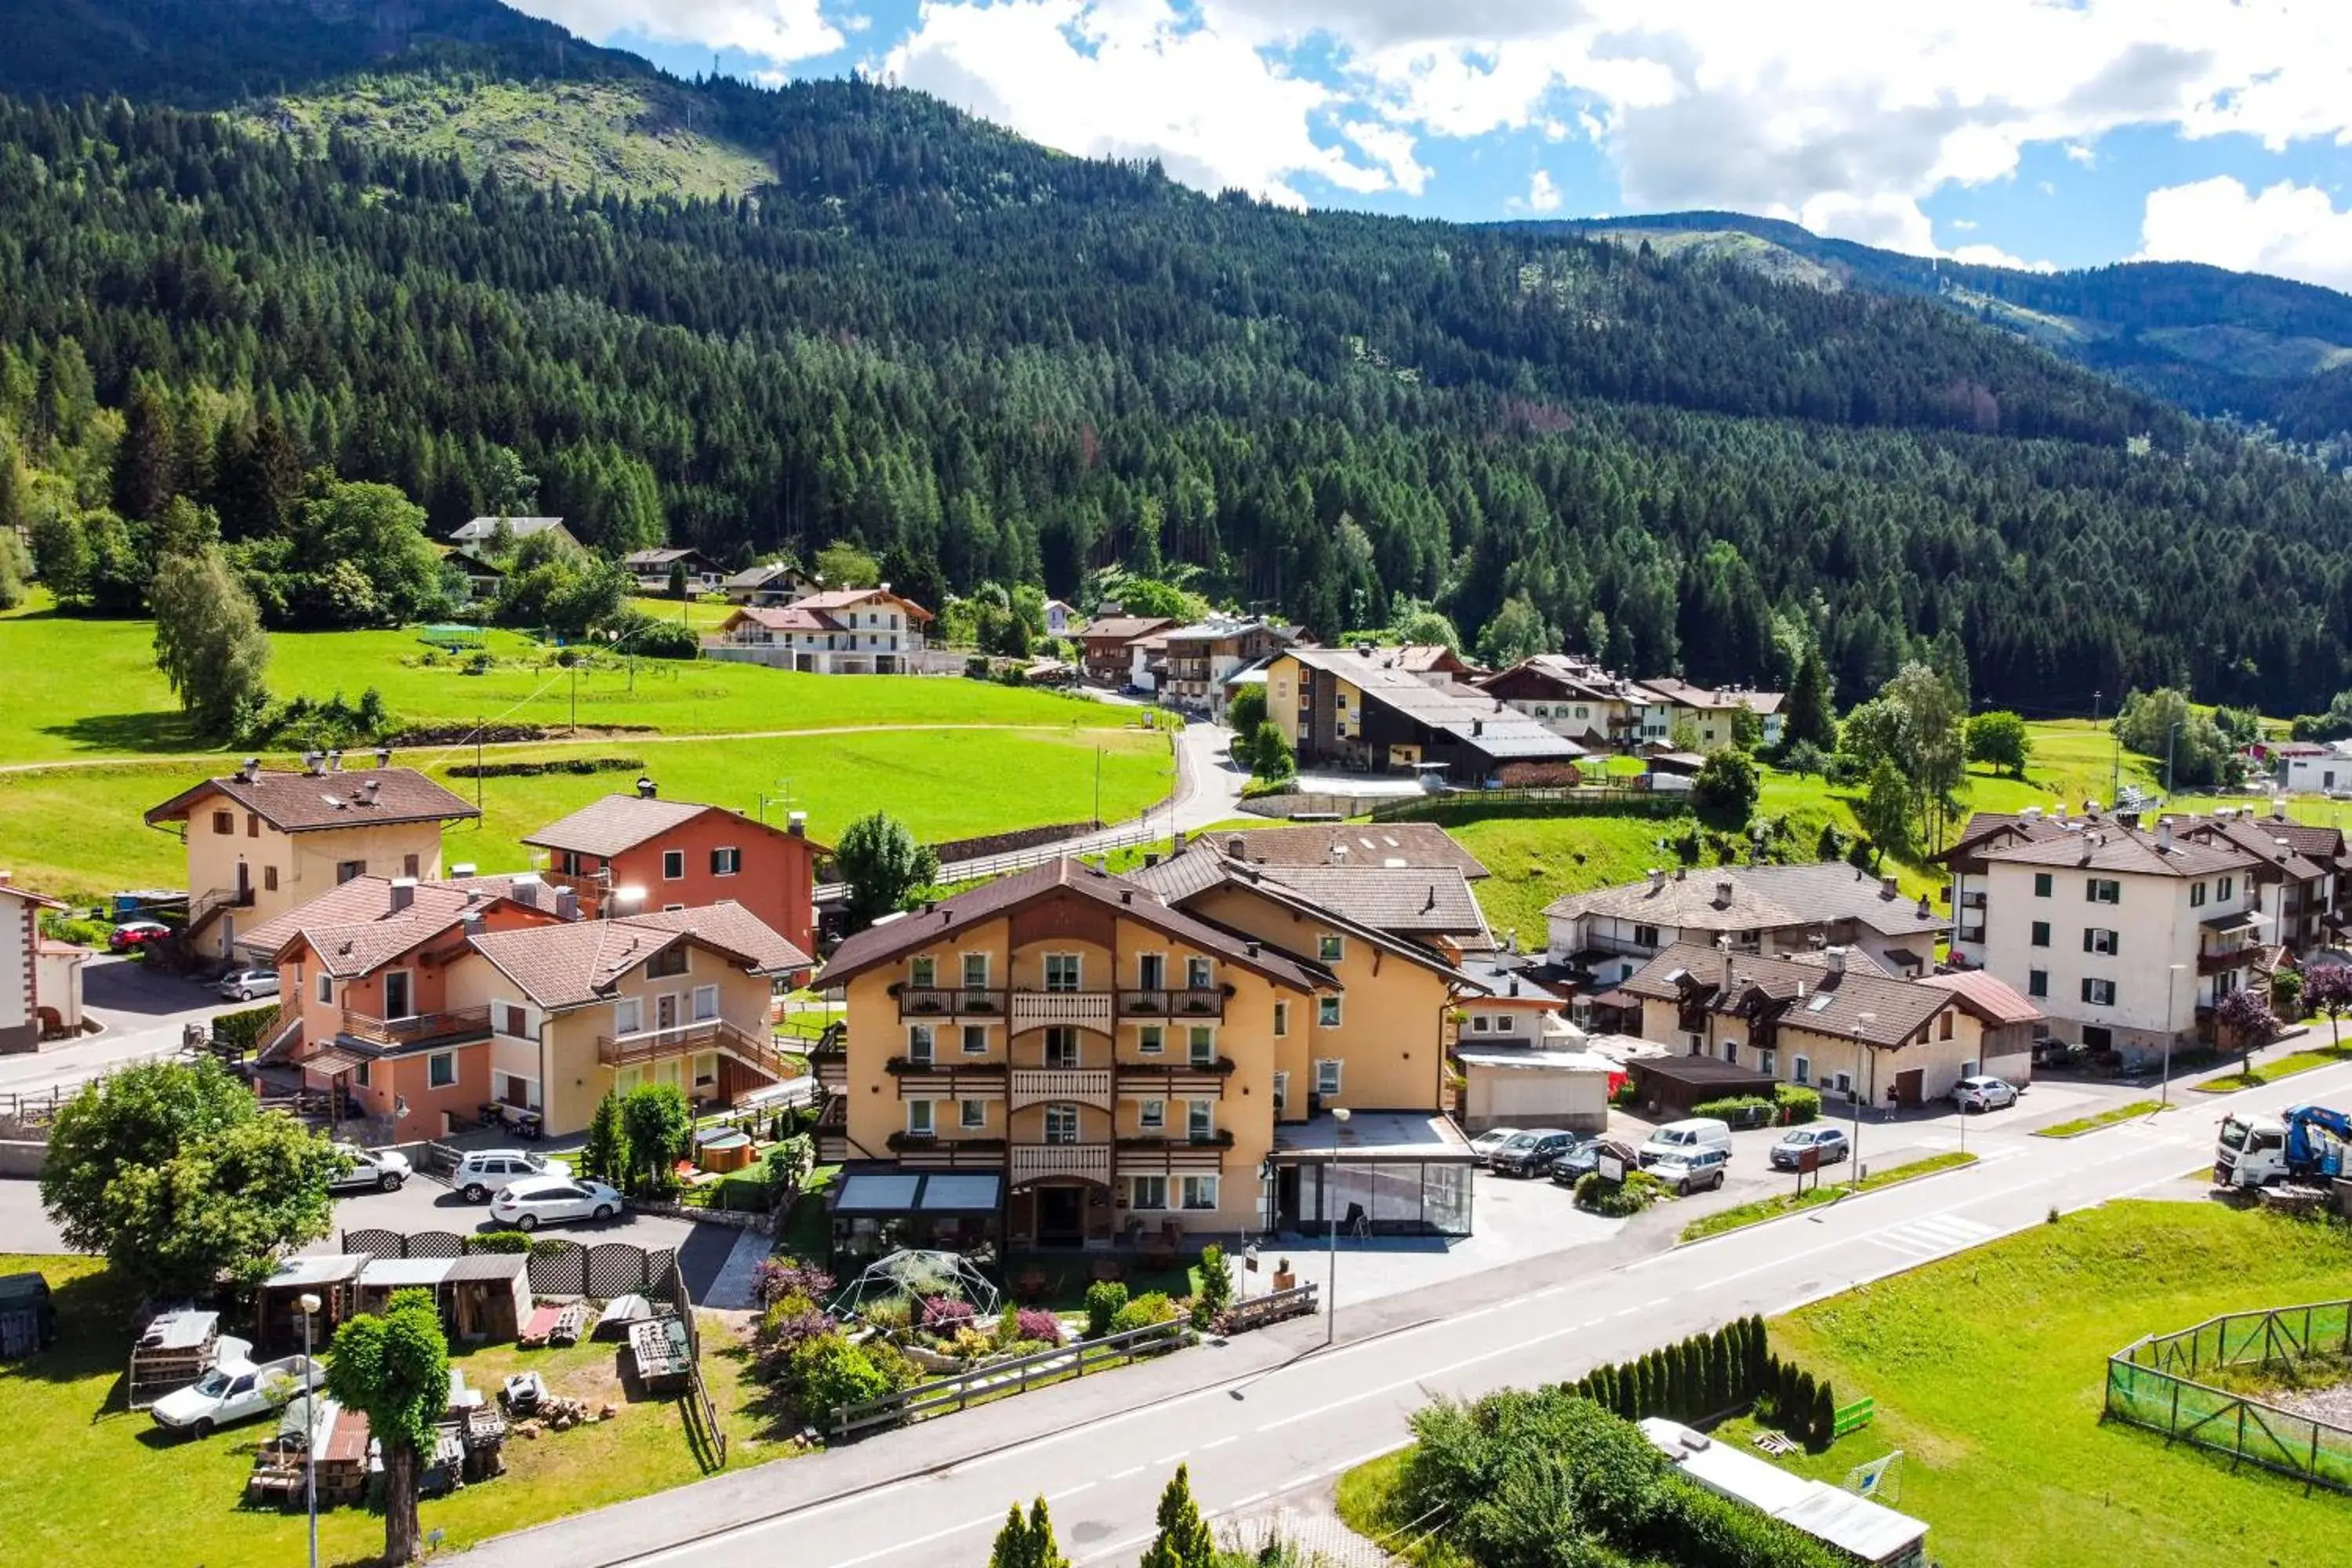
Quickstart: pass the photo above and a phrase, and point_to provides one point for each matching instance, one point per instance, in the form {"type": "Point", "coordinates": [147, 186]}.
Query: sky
{"type": "Point", "coordinates": [2019, 133]}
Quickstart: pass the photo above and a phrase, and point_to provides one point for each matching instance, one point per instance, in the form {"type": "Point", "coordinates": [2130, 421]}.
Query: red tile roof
{"type": "Point", "coordinates": [576, 965]}
{"type": "Point", "coordinates": [307, 802]}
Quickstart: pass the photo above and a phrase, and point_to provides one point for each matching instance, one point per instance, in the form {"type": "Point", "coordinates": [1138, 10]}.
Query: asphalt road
{"type": "Point", "coordinates": [1291, 1415]}
{"type": "Point", "coordinates": [144, 1011]}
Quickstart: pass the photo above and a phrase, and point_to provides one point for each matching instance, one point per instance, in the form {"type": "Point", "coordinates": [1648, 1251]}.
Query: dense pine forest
{"type": "Point", "coordinates": [984, 361]}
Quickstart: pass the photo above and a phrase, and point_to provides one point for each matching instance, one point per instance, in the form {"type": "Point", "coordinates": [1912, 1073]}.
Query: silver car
{"type": "Point", "coordinates": [245, 984]}
{"type": "Point", "coordinates": [485, 1173]}
{"type": "Point", "coordinates": [1981, 1093]}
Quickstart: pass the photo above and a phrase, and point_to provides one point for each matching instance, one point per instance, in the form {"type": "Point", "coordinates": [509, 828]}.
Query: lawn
{"type": "Point", "coordinates": [90, 1485]}
{"type": "Point", "coordinates": [1792, 1202]}
{"type": "Point", "coordinates": [2114, 1115]}
{"type": "Point", "coordinates": [77, 832]}
{"type": "Point", "coordinates": [1535, 859]}
{"type": "Point", "coordinates": [99, 694]}
{"type": "Point", "coordinates": [1987, 1370]}
{"type": "Point", "coordinates": [704, 613]}
{"type": "Point", "coordinates": [2271, 1072]}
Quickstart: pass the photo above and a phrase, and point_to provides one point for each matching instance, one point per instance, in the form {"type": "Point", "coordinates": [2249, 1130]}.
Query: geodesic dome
{"type": "Point", "coordinates": [913, 1274]}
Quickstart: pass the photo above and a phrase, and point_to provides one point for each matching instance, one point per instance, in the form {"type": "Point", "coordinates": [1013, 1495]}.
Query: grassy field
{"type": "Point", "coordinates": [2114, 1115]}
{"type": "Point", "coordinates": [77, 832]}
{"type": "Point", "coordinates": [1535, 859]}
{"type": "Point", "coordinates": [704, 612]}
{"type": "Point", "coordinates": [90, 1485]}
{"type": "Point", "coordinates": [96, 691]}
{"type": "Point", "coordinates": [1791, 1202]}
{"type": "Point", "coordinates": [1987, 1370]}
{"type": "Point", "coordinates": [2276, 1068]}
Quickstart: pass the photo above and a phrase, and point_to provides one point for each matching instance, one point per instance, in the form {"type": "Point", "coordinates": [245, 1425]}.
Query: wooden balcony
{"type": "Point", "coordinates": [1081, 1085]}
{"type": "Point", "coordinates": [2233, 958]}
{"type": "Point", "coordinates": [918, 1152]}
{"type": "Point", "coordinates": [1178, 1079]}
{"type": "Point", "coordinates": [462, 1027]}
{"type": "Point", "coordinates": [1157, 1156]}
{"type": "Point", "coordinates": [758, 1051]}
{"type": "Point", "coordinates": [1030, 1161]}
{"type": "Point", "coordinates": [948, 1005]}
{"type": "Point", "coordinates": [1048, 1009]}
{"type": "Point", "coordinates": [1205, 1002]}
{"type": "Point", "coordinates": [946, 1079]}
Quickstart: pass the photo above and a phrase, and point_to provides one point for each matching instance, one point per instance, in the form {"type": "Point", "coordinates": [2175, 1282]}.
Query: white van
{"type": "Point", "coordinates": [1680, 1138]}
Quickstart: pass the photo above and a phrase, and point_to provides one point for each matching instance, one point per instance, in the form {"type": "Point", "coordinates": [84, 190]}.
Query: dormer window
{"type": "Point", "coordinates": [669, 960]}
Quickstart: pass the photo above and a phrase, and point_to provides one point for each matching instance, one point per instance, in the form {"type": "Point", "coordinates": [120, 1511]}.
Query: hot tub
{"type": "Point", "coordinates": [722, 1149]}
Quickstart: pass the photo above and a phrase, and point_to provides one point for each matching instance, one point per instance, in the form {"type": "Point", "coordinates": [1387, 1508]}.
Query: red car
{"type": "Point", "coordinates": [131, 935]}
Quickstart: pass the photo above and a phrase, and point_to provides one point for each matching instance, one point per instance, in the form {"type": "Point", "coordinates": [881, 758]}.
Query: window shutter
{"type": "Point", "coordinates": [2086, 939]}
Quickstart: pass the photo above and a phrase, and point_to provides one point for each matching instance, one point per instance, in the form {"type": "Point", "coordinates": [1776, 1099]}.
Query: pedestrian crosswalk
{"type": "Point", "coordinates": [1932, 1237]}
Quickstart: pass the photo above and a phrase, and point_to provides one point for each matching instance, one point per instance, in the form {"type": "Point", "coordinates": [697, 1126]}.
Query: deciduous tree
{"type": "Point", "coordinates": [883, 867]}
{"type": "Point", "coordinates": [2000, 740]}
{"type": "Point", "coordinates": [395, 1369]}
{"type": "Point", "coordinates": [208, 641]}
{"type": "Point", "coordinates": [656, 1129]}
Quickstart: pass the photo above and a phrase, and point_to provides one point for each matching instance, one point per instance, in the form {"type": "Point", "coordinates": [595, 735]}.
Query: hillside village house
{"type": "Point", "coordinates": [841, 631]}
{"type": "Point", "coordinates": [2127, 939]}
{"type": "Point", "coordinates": [1104, 644]}
{"type": "Point", "coordinates": [1354, 708]}
{"type": "Point", "coordinates": [260, 843]}
{"type": "Point", "coordinates": [2307, 767]}
{"type": "Point", "coordinates": [2302, 876]}
{"type": "Point", "coordinates": [1775, 911]}
{"type": "Point", "coordinates": [1575, 697]}
{"type": "Point", "coordinates": [633, 854]}
{"type": "Point", "coordinates": [1062, 618]}
{"type": "Point", "coordinates": [474, 538]}
{"type": "Point", "coordinates": [652, 569]}
{"type": "Point", "coordinates": [774, 584]}
{"type": "Point", "coordinates": [1108, 1056]}
{"type": "Point", "coordinates": [1201, 656]}
{"type": "Point", "coordinates": [422, 1002]}
{"type": "Point", "coordinates": [1846, 1030]}
{"type": "Point", "coordinates": [1709, 713]}
{"type": "Point", "coordinates": [40, 977]}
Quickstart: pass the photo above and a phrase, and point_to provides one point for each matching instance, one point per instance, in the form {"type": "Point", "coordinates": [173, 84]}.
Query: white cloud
{"type": "Point", "coordinates": [2290, 230]}
{"type": "Point", "coordinates": [2077, 152]}
{"type": "Point", "coordinates": [777, 31]}
{"type": "Point", "coordinates": [1994, 256]}
{"type": "Point", "coordinates": [1543, 196]}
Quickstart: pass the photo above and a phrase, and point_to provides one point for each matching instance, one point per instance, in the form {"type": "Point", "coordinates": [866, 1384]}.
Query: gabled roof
{"type": "Point", "coordinates": [1798, 992]}
{"type": "Point", "coordinates": [1061, 878]}
{"type": "Point", "coordinates": [1409, 900]}
{"type": "Point", "coordinates": [578, 965]}
{"type": "Point", "coordinates": [641, 559]}
{"type": "Point", "coordinates": [1350, 843]}
{"type": "Point", "coordinates": [606, 827]}
{"type": "Point", "coordinates": [760, 576]}
{"type": "Point", "coordinates": [9, 890]}
{"type": "Point", "coordinates": [1762, 898]}
{"type": "Point", "coordinates": [1423, 657]}
{"type": "Point", "coordinates": [305, 803]}
{"type": "Point", "coordinates": [1182, 878]}
{"type": "Point", "coordinates": [354, 930]}
{"type": "Point", "coordinates": [1991, 999]}
{"type": "Point", "coordinates": [1477, 720]}
{"type": "Point", "coordinates": [735, 929]}
{"type": "Point", "coordinates": [482, 528]}
{"type": "Point", "coordinates": [1123, 629]}
{"type": "Point", "coordinates": [1682, 693]}
{"type": "Point", "coordinates": [2264, 840]}
{"type": "Point", "coordinates": [2108, 845]}
{"type": "Point", "coordinates": [833, 599]}
{"type": "Point", "coordinates": [784, 618]}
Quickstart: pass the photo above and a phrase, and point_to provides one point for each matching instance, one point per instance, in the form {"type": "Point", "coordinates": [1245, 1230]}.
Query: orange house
{"type": "Point", "coordinates": [629, 855]}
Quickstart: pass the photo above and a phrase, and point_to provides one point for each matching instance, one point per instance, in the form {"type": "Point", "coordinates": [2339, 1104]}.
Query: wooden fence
{"type": "Point", "coordinates": [1274, 1306]}
{"type": "Point", "coordinates": [1014, 1376]}
{"type": "Point", "coordinates": [702, 1422]}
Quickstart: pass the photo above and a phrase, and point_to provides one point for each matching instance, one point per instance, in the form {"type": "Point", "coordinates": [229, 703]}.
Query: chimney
{"type": "Point", "coordinates": [1514, 985]}
{"type": "Point", "coordinates": [251, 771]}
{"type": "Point", "coordinates": [310, 763]}
{"type": "Point", "coordinates": [384, 756]}
{"type": "Point", "coordinates": [1431, 902]}
{"type": "Point", "coordinates": [1364, 648]}
{"type": "Point", "coordinates": [403, 893]}
{"type": "Point", "coordinates": [645, 790]}
{"type": "Point", "coordinates": [335, 762]}
{"type": "Point", "coordinates": [1723, 893]}
{"type": "Point", "coordinates": [1150, 859]}
{"type": "Point", "coordinates": [462, 869]}
{"type": "Point", "coordinates": [2164, 837]}
{"type": "Point", "coordinates": [1252, 949]}
{"type": "Point", "coordinates": [524, 889]}
{"type": "Point", "coordinates": [1657, 879]}
{"type": "Point", "coordinates": [369, 791]}
{"type": "Point", "coordinates": [796, 824]}
{"type": "Point", "coordinates": [1236, 847]}
{"type": "Point", "coordinates": [2278, 808]}
{"type": "Point", "coordinates": [1477, 726]}
{"type": "Point", "coordinates": [1924, 911]}
{"type": "Point", "coordinates": [1724, 944]}
{"type": "Point", "coordinates": [1836, 957]}
{"type": "Point", "coordinates": [567, 903]}
{"type": "Point", "coordinates": [1176, 842]}
{"type": "Point", "coordinates": [1887, 885]}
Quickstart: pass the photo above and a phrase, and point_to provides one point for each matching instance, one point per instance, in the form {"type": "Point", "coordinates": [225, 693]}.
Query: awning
{"type": "Point", "coordinates": [907, 1191]}
{"type": "Point", "coordinates": [334, 1061]}
{"type": "Point", "coordinates": [2243, 919]}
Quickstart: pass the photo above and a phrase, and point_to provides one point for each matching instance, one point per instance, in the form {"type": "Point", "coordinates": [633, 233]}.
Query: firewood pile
{"type": "Point", "coordinates": [558, 1412]}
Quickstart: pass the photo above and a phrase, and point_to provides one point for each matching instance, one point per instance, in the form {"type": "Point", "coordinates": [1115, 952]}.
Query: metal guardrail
{"type": "Point", "coordinates": [1013, 1376]}
{"type": "Point", "coordinates": [2153, 1383]}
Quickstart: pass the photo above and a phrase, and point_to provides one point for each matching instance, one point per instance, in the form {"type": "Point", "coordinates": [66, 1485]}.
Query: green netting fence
{"type": "Point", "coordinates": [2158, 1382]}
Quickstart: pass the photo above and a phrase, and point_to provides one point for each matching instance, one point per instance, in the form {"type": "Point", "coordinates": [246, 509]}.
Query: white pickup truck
{"type": "Point", "coordinates": [234, 1389]}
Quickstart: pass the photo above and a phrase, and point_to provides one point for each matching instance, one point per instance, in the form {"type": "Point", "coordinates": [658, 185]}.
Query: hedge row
{"type": "Point", "coordinates": [1707, 1376]}
{"type": "Point", "coordinates": [1790, 1105]}
{"type": "Point", "coordinates": [243, 1029]}
{"type": "Point", "coordinates": [559, 765]}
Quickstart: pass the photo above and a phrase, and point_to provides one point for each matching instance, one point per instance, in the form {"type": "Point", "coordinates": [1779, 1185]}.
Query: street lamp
{"type": "Point", "coordinates": [308, 1302]}
{"type": "Point", "coordinates": [1339, 1114]}
{"type": "Point", "coordinates": [2164, 1094]}
{"type": "Point", "coordinates": [1863, 1021]}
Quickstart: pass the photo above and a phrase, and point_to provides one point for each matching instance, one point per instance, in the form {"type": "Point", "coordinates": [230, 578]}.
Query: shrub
{"type": "Point", "coordinates": [779, 1277]}
{"type": "Point", "coordinates": [827, 1372]}
{"type": "Point", "coordinates": [507, 1241]}
{"type": "Point", "coordinates": [1624, 1095]}
{"type": "Point", "coordinates": [1105, 1300]}
{"type": "Point", "coordinates": [1739, 1111]}
{"type": "Point", "coordinates": [946, 1315]}
{"type": "Point", "coordinates": [1152, 1307]}
{"type": "Point", "coordinates": [897, 1368]}
{"type": "Point", "coordinates": [1216, 1286]}
{"type": "Point", "coordinates": [1596, 1194]}
{"type": "Point", "coordinates": [1798, 1104]}
{"type": "Point", "coordinates": [242, 1028]}
{"type": "Point", "coordinates": [789, 1323]}
{"type": "Point", "coordinates": [896, 1312]}
{"type": "Point", "coordinates": [972, 1344]}
{"type": "Point", "coordinates": [1039, 1327]}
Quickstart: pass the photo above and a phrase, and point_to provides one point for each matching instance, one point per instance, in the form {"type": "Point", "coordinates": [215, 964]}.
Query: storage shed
{"type": "Point", "coordinates": [278, 1315]}
{"type": "Point", "coordinates": [1669, 1085]}
{"type": "Point", "coordinates": [487, 1296]}
{"type": "Point", "coordinates": [28, 1321]}
{"type": "Point", "coordinates": [173, 1352]}
{"type": "Point", "coordinates": [1518, 1086]}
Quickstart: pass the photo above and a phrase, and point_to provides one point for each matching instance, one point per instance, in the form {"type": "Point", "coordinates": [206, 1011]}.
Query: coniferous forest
{"type": "Point", "coordinates": [984, 361]}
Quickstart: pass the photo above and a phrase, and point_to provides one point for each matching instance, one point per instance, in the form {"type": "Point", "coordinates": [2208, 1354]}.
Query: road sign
{"type": "Point", "coordinates": [1612, 1168]}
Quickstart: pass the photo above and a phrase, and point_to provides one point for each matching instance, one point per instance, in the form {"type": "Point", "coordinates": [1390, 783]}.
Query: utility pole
{"type": "Point", "coordinates": [2171, 731]}
{"type": "Point", "coordinates": [1097, 786]}
{"type": "Point", "coordinates": [480, 722]}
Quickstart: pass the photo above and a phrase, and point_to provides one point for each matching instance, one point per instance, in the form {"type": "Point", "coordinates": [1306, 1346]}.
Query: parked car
{"type": "Point", "coordinates": [1482, 1147]}
{"type": "Point", "coordinates": [1531, 1153]}
{"type": "Point", "coordinates": [132, 935]}
{"type": "Point", "coordinates": [1686, 1137]}
{"type": "Point", "coordinates": [233, 1389]}
{"type": "Point", "coordinates": [245, 984]}
{"type": "Point", "coordinates": [380, 1170]}
{"type": "Point", "coordinates": [1698, 1171]}
{"type": "Point", "coordinates": [1585, 1158]}
{"type": "Point", "coordinates": [1789, 1153]}
{"type": "Point", "coordinates": [1981, 1093]}
{"type": "Point", "coordinates": [531, 1202]}
{"type": "Point", "coordinates": [2056, 1053]}
{"type": "Point", "coordinates": [485, 1173]}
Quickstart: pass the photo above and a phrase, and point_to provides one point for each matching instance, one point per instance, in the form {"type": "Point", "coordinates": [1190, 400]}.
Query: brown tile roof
{"type": "Point", "coordinates": [307, 802]}
{"type": "Point", "coordinates": [1201, 868]}
{"type": "Point", "coordinates": [1990, 998]}
{"type": "Point", "coordinates": [784, 618]}
{"type": "Point", "coordinates": [2108, 845]}
{"type": "Point", "coordinates": [1684, 694]}
{"type": "Point", "coordinates": [2260, 839]}
{"type": "Point", "coordinates": [1124, 628]}
{"type": "Point", "coordinates": [1762, 898]}
{"type": "Point", "coordinates": [1421, 657]}
{"type": "Point", "coordinates": [1796, 994]}
{"type": "Point", "coordinates": [1350, 843]}
{"type": "Point", "coordinates": [1417, 901]}
{"type": "Point", "coordinates": [1063, 877]}
{"type": "Point", "coordinates": [833, 599]}
{"type": "Point", "coordinates": [578, 965]}
{"type": "Point", "coordinates": [354, 930]}
{"type": "Point", "coordinates": [613, 823]}
{"type": "Point", "coordinates": [11, 889]}
{"type": "Point", "coordinates": [737, 929]}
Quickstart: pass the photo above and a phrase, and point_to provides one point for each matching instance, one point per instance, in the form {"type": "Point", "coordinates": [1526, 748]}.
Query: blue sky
{"type": "Point", "coordinates": [2043, 133]}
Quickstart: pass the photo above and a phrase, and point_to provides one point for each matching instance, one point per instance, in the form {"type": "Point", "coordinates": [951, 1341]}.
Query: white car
{"type": "Point", "coordinates": [234, 1389]}
{"type": "Point", "coordinates": [1983, 1093]}
{"type": "Point", "coordinates": [245, 984]}
{"type": "Point", "coordinates": [485, 1173]}
{"type": "Point", "coordinates": [1487, 1145]}
{"type": "Point", "coordinates": [533, 1201]}
{"type": "Point", "coordinates": [377, 1169]}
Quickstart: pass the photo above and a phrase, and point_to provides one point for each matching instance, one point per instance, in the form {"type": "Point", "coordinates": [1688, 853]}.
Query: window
{"type": "Point", "coordinates": [1507, 1024]}
{"type": "Point", "coordinates": [1061, 1124]}
{"type": "Point", "coordinates": [513, 1020]}
{"type": "Point", "coordinates": [1061, 971]}
{"type": "Point", "coordinates": [975, 1114]}
{"type": "Point", "coordinates": [628, 1014]}
{"type": "Point", "coordinates": [2099, 993]}
{"type": "Point", "coordinates": [1196, 974]}
{"type": "Point", "coordinates": [224, 822]}
{"type": "Point", "coordinates": [922, 974]}
{"type": "Point", "coordinates": [1731, 1051]}
{"type": "Point", "coordinates": [2042, 933]}
{"type": "Point", "coordinates": [975, 1039]}
{"type": "Point", "coordinates": [1147, 1193]}
{"type": "Point", "coordinates": [921, 1122]}
{"type": "Point", "coordinates": [253, 826]}
{"type": "Point", "coordinates": [2041, 884]}
{"type": "Point", "coordinates": [359, 1074]}
{"type": "Point", "coordinates": [919, 1041]}
{"type": "Point", "coordinates": [408, 866]}
{"type": "Point", "coordinates": [1646, 936]}
{"type": "Point", "coordinates": [1845, 1085]}
{"type": "Point", "coordinates": [1148, 1039]}
{"type": "Point", "coordinates": [975, 972]}
{"type": "Point", "coordinates": [726, 862]}
{"type": "Point", "coordinates": [1199, 1191]}
{"type": "Point", "coordinates": [1200, 1122]}
{"type": "Point", "coordinates": [1152, 1116]}
{"type": "Point", "coordinates": [347, 869]}
{"type": "Point", "coordinates": [1150, 970]}
{"type": "Point", "coordinates": [326, 986]}
{"type": "Point", "coordinates": [2037, 983]}
{"type": "Point", "coordinates": [1765, 1062]}
{"type": "Point", "coordinates": [2196, 895]}
{"type": "Point", "coordinates": [269, 879]}
{"type": "Point", "coordinates": [1326, 1076]}
{"type": "Point", "coordinates": [1478, 1023]}
{"type": "Point", "coordinates": [2108, 891]}
{"type": "Point", "coordinates": [1943, 1026]}
{"type": "Point", "coordinates": [1281, 1093]}
{"type": "Point", "coordinates": [1327, 1012]}
{"type": "Point", "coordinates": [706, 1003]}
{"type": "Point", "coordinates": [1281, 1019]}
{"type": "Point", "coordinates": [1204, 1045]}
{"type": "Point", "coordinates": [671, 960]}
{"type": "Point", "coordinates": [1061, 1046]}
{"type": "Point", "coordinates": [2222, 890]}
{"type": "Point", "coordinates": [673, 865]}
{"type": "Point", "coordinates": [2097, 940]}
{"type": "Point", "coordinates": [1331, 949]}
{"type": "Point", "coordinates": [441, 1068]}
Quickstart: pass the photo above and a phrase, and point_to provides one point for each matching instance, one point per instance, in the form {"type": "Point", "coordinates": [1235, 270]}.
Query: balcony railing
{"type": "Point", "coordinates": [1178, 1079]}
{"type": "Point", "coordinates": [945, 1002]}
{"type": "Point", "coordinates": [2234, 958]}
{"type": "Point", "coordinates": [1040, 1009]}
{"type": "Point", "coordinates": [930, 1079]}
{"type": "Point", "coordinates": [589, 887]}
{"type": "Point", "coordinates": [1030, 1161]}
{"type": "Point", "coordinates": [1083, 1086]}
{"type": "Point", "coordinates": [419, 1028]}
{"type": "Point", "coordinates": [212, 903]}
{"type": "Point", "coordinates": [1150, 1155]}
{"type": "Point", "coordinates": [923, 1151]}
{"type": "Point", "coordinates": [1972, 901]}
{"type": "Point", "coordinates": [687, 1039]}
{"type": "Point", "coordinates": [1173, 1002]}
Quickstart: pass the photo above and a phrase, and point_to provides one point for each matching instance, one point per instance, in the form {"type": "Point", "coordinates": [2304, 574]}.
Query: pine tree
{"type": "Point", "coordinates": [1184, 1540]}
{"type": "Point", "coordinates": [1811, 715]}
{"type": "Point", "coordinates": [605, 1154]}
{"type": "Point", "coordinates": [1824, 1416]}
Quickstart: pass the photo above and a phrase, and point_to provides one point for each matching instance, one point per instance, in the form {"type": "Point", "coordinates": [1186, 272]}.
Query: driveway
{"type": "Point", "coordinates": [23, 1227]}
{"type": "Point", "coordinates": [144, 1011]}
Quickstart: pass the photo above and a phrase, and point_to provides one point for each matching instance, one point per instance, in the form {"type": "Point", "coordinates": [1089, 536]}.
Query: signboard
{"type": "Point", "coordinates": [1809, 1158]}
{"type": "Point", "coordinates": [1612, 1168]}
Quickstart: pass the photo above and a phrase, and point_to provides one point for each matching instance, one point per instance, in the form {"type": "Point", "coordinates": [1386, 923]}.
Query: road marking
{"type": "Point", "coordinates": [1173, 1457]}
{"type": "Point", "coordinates": [1130, 1471]}
{"type": "Point", "coordinates": [1081, 1487]}
{"type": "Point", "coordinates": [1249, 1501]}
{"type": "Point", "coordinates": [981, 1523]}
{"type": "Point", "coordinates": [1932, 1235]}
{"type": "Point", "coordinates": [1229, 1438]}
